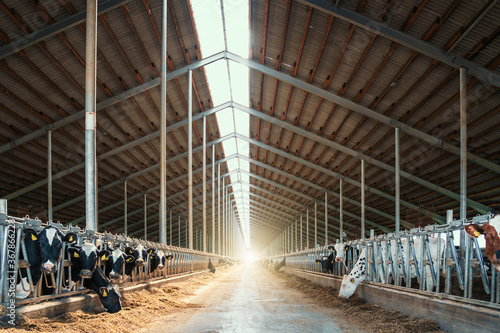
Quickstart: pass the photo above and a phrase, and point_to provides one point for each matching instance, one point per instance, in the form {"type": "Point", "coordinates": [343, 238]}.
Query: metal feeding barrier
{"type": "Point", "coordinates": [12, 244]}
{"type": "Point", "coordinates": [415, 259]}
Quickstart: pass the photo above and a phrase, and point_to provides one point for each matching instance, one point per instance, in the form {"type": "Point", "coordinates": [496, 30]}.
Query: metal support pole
{"type": "Point", "coordinates": [307, 228]}
{"type": "Point", "coordinates": [326, 219]}
{"type": "Point", "coordinates": [296, 238]}
{"type": "Point", "coordinates": [362, 198]}
{"type": "Point", "coordinates": [213, 199]}
{"type": "Point", "coordinates": [190, 157]}
{"type": "Point", "coordinates": [397, 180]}
{"type": "Point", "coordinates": [224, 210]}
{"type": "Point", "coordinates": [315, 224]}
{"type": "Point", "coordinates": [301, 235]}
{"type": "Point", "coordinates": [145, 217]}
{"type": "Point", "coordinates": [464, 238]}
{"type": "Point", "coordinates": [170, 227]}
{"type": "Point", "coordinates": [204, 239]}
{"type": "Point", "coordinates": [341, 209]}
{"type": "Point", "coordinates": [90, 117]}
{"type": "Point", "coordinates": [179, 230]}
{"type": "Point", "coordinates": [163, 128]}
{"type": "Point", "coordinates": [218, 211]}
{"type": "Point", "coordinates": [125, 217]}
{"type": "Point", "coordinates": [49, 175]}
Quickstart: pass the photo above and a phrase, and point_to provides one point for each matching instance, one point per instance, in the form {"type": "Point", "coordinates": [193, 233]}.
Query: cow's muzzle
{"type": "Point", "coordinates": [114, 276]}
{"type": "Point", "coordinates": [86, 273]}
{"type": "Point", "coordinates": [49, 268]}
{"type": "Point", "coordinates": [139, 262]}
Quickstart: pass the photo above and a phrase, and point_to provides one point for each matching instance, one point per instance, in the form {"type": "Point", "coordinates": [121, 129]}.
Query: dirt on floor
{"type": "Point", "coordinates": [368, 317]}
{"type": "Point", "coordinates": [139, 309]}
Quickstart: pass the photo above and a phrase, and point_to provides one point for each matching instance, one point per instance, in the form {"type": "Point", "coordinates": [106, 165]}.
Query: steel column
{"type": "Point", "coordinates": [170, 227]}
{"type": "Point", "coordinates": [341, 211]}
{"type": "Point", "coordinates": [326, 219]}
{"type": "Point", "coordinates": [397, 180]}
{"type": "Point", "coordinates": [125, 220]}
{"type": "Point", "coordinates": [49, 176]}
{"type": "Point", "coordinates": [213, 199]}
{"type": "Point", "coordinates": [218, 211]}
{"type": "Point", "coordinates": [204, 239]}
{"type": "Point", "coordinates": [190, 157]}
{"type": "Point", "coordinates": [301, 235]}
{"type": "Point", "coordinates": [163, 124]}
{"type": "Point", "coordinates": [362, 198]}
{"type": "Point", "coordinates": [307, 228]}
{"type": "Point", "coordinates": [145, 217]}
{"type": "Point", "coordinates": [315, 225]}
{"type": "Point", "coordinates": [90, 117]}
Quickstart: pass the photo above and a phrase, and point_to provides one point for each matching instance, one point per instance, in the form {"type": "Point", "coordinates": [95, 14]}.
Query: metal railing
{"type": "Point", "coordinates": [463, 273]}
{"type": "Point", "coordinates": [12, 244]}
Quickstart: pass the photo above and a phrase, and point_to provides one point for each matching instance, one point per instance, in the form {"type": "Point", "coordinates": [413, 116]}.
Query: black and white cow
{"type": "Point", "coordinates": [51, 240]}
{"type": "Point", "coordinates": [115, 263]}
{"type": "Point", "coordinates": [326, 262]}
{"type": "Point", "coordinates": [84, 259]}
{"type": "Point", "coordinates": [158, 259]}
{"type": "Point", "coordinates": [140, 254]}
{"type": "Point", "coordinates": [34, 259]}
{"type": "Point", "coordinates": [358, 273]}
{"type": "Point", "coordinates": [84, 264]}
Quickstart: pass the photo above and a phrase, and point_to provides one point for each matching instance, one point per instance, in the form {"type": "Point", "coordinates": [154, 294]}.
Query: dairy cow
{"type": "Point", "coordinates": [158, 259]}
{"type": "Point", "coordinates": [34, 259]}
{"type": "Point", "coordinates": [116, 261]}
{"type": "Point", "coordinates": [84, 264]}
{"type": "Point", "coordinates": [51, 240]}
{"type": "Point", "coordinates": [139, 253]}
{"type": "Point", "coordinates": [211, 267]}
{"type": "Point", "coordinates": [326, 262]}
{"type": "Point", "coordinates": [491, 232]}
{"type": "Point", "coordinates": [358, 273]}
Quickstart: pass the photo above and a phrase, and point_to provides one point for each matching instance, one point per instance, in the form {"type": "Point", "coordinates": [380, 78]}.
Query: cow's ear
{"type": "Point", "coordinates": [330, 248]}
{"type": "Point", "coordinates": [73, 252]}
{"type": "Point", "coordinates": [104, 255]}
{"type": "Point", "coordinates": [70, 237]}
{"type": "Point", "coordinates": [103, 291]}
{"type": "Point", "coordinates": [128, 250]}
{"type": "Point", "coordinates": [332, 261]}
{"type": "Point", "coordinates": [31, 234]}
{"type": "Point", "coordinates": [346, 248]}
{"type": "Point", "coordinates": [474, 230]}
{"type": "Point", "coordinates": [129, 259]}
{"type": "Point", "coordinates": [318, 261]}
{"type": "Point", "coordinates": [169, 257]}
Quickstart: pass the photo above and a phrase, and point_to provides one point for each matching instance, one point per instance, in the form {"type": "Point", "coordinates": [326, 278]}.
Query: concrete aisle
{"type": "Point", "coordinates": [250, 299]}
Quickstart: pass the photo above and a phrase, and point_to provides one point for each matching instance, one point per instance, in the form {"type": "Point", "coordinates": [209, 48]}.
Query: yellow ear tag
{"type": "Point", "coordinates": [33, 237]}
{"type": "Point", "coordinates": [76, 255]}
{"type": "Point", "coordinates": [476, 233]}
{"type": "Point", "coordinates": [104, 293]}
{"type": "Point", "coordinates": [332, 261]}
{"type": "Point", "coordinates": [103, 258]}
{"type": "Point", "coordinates": [128, 259]}
{"type": "Point", "coordinates": [150, 257]}
{"type": "Point", "coordinates": [70, 238]}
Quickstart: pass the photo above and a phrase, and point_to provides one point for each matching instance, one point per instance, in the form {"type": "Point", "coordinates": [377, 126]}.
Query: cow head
{"type": "Point", "coordinates": [51, 240]}
{"type": "Point", "coordinates": [139, 252]}
{"type": "Point", "coordinates": [86, 256]}
{"type": "Point", "coordinates": [490, 230]}
{"type": "Point", "coordinates": [351, 282]}
{"type": "Point", "coordinates": [341, 249]}
{"type": "Point", "coordinates": [326, 263]}
{"type": "Point", "coordinates": [110, 299]}
{"type": "Point", "coordinates": [211, 267]}
{"type": "Point", "coordinates": [158, 259]}
{"type": "Point", "coordinates": [114, 264]}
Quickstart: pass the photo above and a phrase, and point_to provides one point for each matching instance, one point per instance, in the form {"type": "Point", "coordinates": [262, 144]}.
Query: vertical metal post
{"type": "Point", "coordinates": [163, 126]}
{"type": "Point", "coordinates": [218, 210]}
{"type": "Point", "coordinates": [296, 238]}
{"type": "Point", "coordinates": [190, 157]}
{"type": "Point", "coordinates": [179, 219]}
{"type": "Point", "coordinates": [171, 227]}
{"type": "Point", "coordinates": [90, 117]}
{"type": "Point", "coordinates": [187, 232]}
{"type": "Point", "coordinates": [301, 237]}
{"type": "Point", "coordinates": [362, 198]}
{"type": "Point", "coordinates": [125, 217]}
{"type": "Point", "coordinates": [464, 238]}
{"type": "Point", "coordinates": [307, 229]}
{"type": "Point", "coordinates": [204, 239]}
{"type": "Point", "coordinates": [49, 175]}
{"type": "Point", "coordinates": [341, 209]}
{"type": "Point", "coordinates": [315, 224]}
{"type": "Point", "coordinates": [326, 219]}
{"type": "Point", "coordinates": [213, 199]}
{"type": "Point", "coordinates": [145, 217]}
{"type": "Point", "coordinates": [397, 180]}
{"type": "Point", "coordinates": [223, 215]}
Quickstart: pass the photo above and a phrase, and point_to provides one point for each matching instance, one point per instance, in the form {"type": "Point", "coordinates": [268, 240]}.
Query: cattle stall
{"type": "Point", "coordinates": [14, 258]}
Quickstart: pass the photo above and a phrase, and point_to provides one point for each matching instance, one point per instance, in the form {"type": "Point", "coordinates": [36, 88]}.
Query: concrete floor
{"type": "Point", "coordinates": [251, 299]}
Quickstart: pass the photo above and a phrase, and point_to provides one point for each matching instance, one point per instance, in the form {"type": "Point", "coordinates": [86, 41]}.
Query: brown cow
{"type": "Point", "coordinates": [490, 230]}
